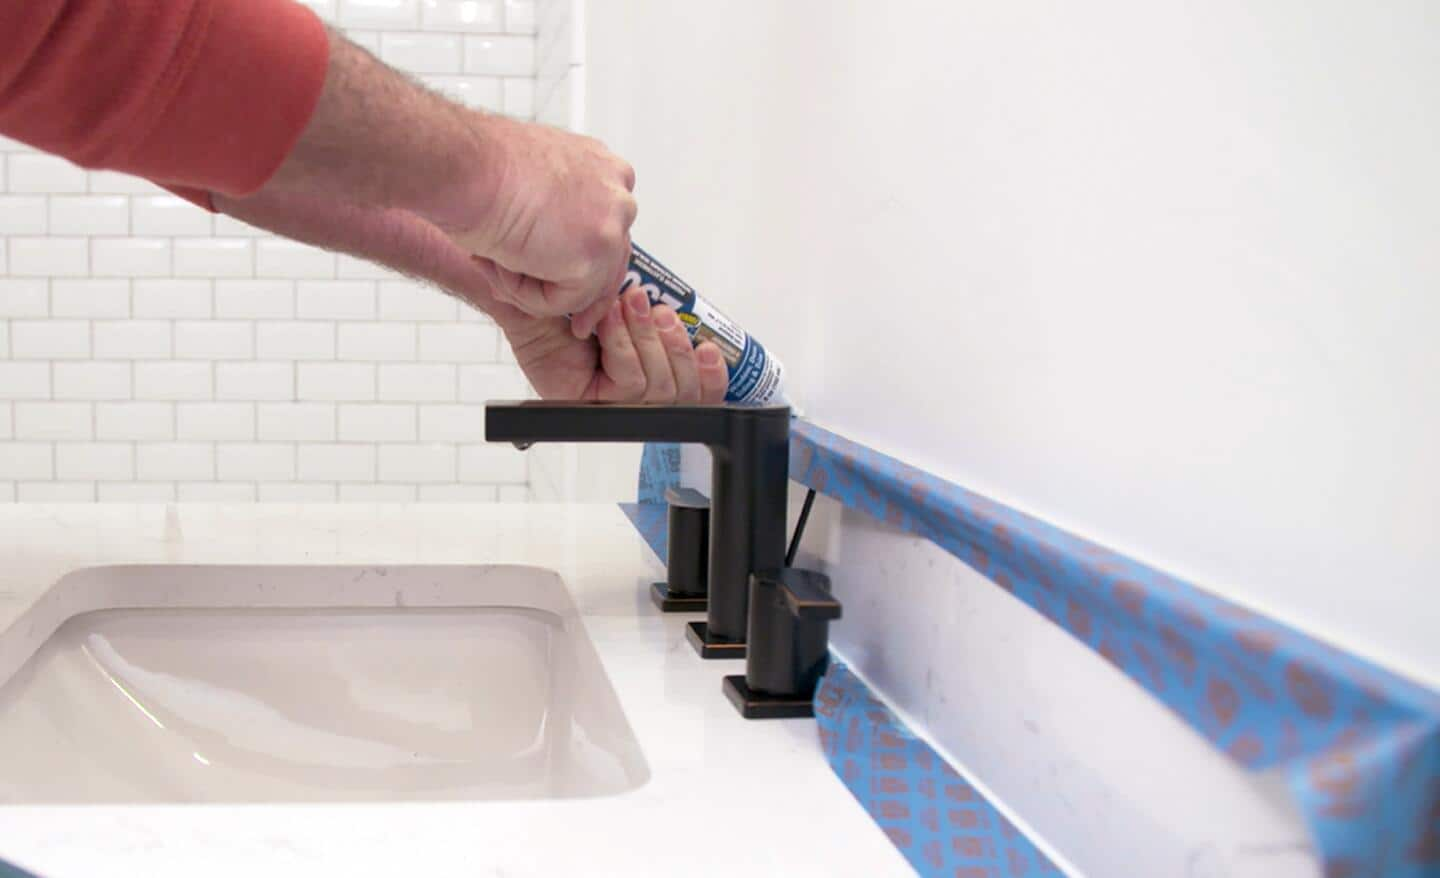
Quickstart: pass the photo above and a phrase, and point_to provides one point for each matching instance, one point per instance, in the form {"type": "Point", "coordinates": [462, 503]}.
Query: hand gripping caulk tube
{"type": "Point", "coordinates": [755, 373]}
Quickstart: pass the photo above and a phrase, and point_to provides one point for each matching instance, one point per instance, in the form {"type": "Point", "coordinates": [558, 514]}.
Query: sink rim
{"type": "Point", "coordinates": [376, 588]}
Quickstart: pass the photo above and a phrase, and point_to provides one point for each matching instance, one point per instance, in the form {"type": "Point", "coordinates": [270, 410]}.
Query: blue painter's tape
{"type": "Point", "coordinates": [659, 470]}
{"type": "Point", "coordinates": [1360, 746]}
{"type": "Point", "coordinates": [652, 520]}
{"type": "Point", "coordinates": [942, 824]}
{"type": "Point", "coordinates": [10, 870]}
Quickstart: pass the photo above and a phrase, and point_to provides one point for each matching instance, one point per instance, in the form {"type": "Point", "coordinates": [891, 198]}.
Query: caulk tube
{"type": "Point", "coordinates": [755, 374]}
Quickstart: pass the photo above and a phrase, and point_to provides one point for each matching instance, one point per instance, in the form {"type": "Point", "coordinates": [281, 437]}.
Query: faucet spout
{"type": "Point", "coordinates": [750, 453]}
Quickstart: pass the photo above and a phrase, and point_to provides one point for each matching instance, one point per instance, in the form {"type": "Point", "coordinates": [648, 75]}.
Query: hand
{"type": "Point", "coordinates": [551, 228]}
{"type": "Point", "coordinates": [637, 354]}
{"type": "Point", "coordinates": [547, 212]}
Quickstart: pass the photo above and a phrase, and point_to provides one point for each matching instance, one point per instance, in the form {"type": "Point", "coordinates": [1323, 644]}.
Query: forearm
{"type": "Point", "coordinates": [378, 138]}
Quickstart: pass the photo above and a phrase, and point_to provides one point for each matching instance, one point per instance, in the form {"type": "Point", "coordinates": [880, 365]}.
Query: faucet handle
{"type": "Point", "coordinates": [789, 644]}
{"type": "Point", "coordinates": [807, 595]}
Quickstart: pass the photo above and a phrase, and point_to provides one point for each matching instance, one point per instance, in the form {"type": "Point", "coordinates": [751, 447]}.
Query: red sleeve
{"type": "Point", "coordinates": [198, 94]}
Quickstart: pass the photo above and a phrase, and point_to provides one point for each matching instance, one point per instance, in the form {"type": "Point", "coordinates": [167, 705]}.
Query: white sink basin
{"type": "Point", "coordinates": [345, 684]}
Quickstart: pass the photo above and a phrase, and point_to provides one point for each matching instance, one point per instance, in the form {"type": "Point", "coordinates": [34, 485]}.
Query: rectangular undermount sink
{"type": "Point", "coordinates": [288, 684]}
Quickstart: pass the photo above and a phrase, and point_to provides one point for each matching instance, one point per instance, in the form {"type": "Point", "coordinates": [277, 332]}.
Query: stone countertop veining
{"type": "Point", "coordinates": [725, 796]}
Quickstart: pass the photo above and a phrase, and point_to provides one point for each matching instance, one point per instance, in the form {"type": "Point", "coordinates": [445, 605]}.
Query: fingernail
{"type": "Point", "coordinates": [664, 319]}
{"type": "Point", "coordinates": [639, 303]}
{"type": "Point", "coordinates": [708, 356]}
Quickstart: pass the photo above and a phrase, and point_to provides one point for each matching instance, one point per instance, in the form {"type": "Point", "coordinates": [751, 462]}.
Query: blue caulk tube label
{"type": "Point", "coordinates": [755, 374]}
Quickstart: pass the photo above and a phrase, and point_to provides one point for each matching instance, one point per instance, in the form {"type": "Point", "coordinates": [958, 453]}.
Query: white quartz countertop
{"type": "Point", "coordinates": [726, 796]}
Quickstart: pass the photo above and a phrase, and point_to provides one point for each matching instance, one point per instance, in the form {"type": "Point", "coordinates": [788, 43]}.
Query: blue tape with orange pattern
{"type": "Point", "coordinates": [1360, 746]}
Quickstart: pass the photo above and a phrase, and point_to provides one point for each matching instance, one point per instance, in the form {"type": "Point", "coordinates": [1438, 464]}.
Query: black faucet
{"type": "Point", "coordinates": [750, 450]}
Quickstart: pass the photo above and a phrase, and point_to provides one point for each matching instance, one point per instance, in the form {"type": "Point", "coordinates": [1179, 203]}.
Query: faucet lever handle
{"type": "Point", "coordinates": [807, 595]}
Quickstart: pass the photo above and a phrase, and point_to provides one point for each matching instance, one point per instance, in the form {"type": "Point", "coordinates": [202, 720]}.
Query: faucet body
{"type": "Point", "coordinates": [750, 453]}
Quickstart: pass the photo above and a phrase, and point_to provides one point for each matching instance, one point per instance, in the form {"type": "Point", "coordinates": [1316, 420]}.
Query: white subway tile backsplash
{"type": "Point", "coordinates": [458, 493]}
{"type": "Point", "coordinates": [417, 382]}
{"type": "Point", "coordinates": [482, 16]}
{"type": "Point", "coordinates": [55, 492]}
{"type": "Point", "coordinates": [296, 421]}
{"type": "Point", "coordinates": [230, 227]}
{"type": "Point", "coordinates": [138, 421]}
{"type": "Point", "coordinates": [514, 494]}
{"type": "Point", "coordinates": [417, 463]}
{"type": "Point", "coordinates": [130, 257]}
{"type": "Point", "coordinates": [90, 298]}
{"type": "Point", "coordinates": [89, 381]}
{"type": "Point", "coordinates": [384, 422]}
{"type": "Point", "coordinates": [380, 14]}
{"type": "Point", "coordinates": [26, 380]}
{"type": "Point", "coordinates": [335, 300]}
{"type": "Point", "coordinates": [520, 97]}
{"type": "Point", "coordinates": [214, 257]}
{"type": "Point", "coordinates": [38, 172]}
{"type": "Point", "coordinates": [289, 259]}
{"type": "Point", "coordinates": [255, 381]}
{"type": "Point", "coordinates": [458, 343]}
{"type": "Point", "coordinates": [27, 460]}
{"type": "Point", "coordinates": [369, 41]}
{"type": "Point", "coordinates": [485, 383]}
{"type": "Point", "coordinates": [132, 339]}
{"type": "Point", "coordinates": [50, 339]}
{"type": "Point", "coordinates": [153, 351]}
{"type": "Point", "coordinates": [135, 492]}
{"type": "Point", "coordinates": [54, 420]}
{"type": "Point", "coordinates": [89, 215]}
{"type": "Point", "coordinates": [23, 215]}
{"type": "Point", "coordinates": [452, 423]}
{"type": "Point", "coordinates": [520, 16]}
{"type": "Point", "coordinates": [500, 56]}
{"type": "Point", "coordinates": [377, 341]}
{"type": "Point", "coordinates": [336, 381]}
{"type": "Point", "coordinates": [422, 53]}
{"type": "Point", "coordinates": [337, 463]}
{"type": "Point", "coordinates": [296, 492]}
{"type": "Point", "coordinates": [405, 300]}
{"type": "Point", "coordinates": [492, 463]}
{"type": "Point", "coordinates": [176, 299]}
{"type": "Point", "coordinates": [475, 92]}
{"type": "Point", "coordinates": [295, 340]}
{"type": "Point", "coordinates": [49, 257]}
{"type": "Point", "coordinates": [215, 492]}
{"type": "Point", "coordinates": [23, 297]}
{"type": "Point", "coordinates": [254, 299]}
{"type": "Point", "coordinates": [214, 421]}
{"type": "Point", "coordinates": [172, 380]}
{"type": "Point", "coordinates": [169, 215]}
{"type": "Point", "coordinates": [175, 462]}
{"type": "Point", "coordinates": [214, 340]}
{"type": "Point", "coordinates": [115, 183]}
{"type": "Point", "coordinates": [362, 493]}
{"type": "Point", "coordinates": [95, 461]}
{"type": "Point", "coordinates": [255, 462]}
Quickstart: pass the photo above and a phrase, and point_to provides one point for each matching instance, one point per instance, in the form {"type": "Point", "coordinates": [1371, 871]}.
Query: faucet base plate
{"type": "Point", "coordinates": [677, 602]}
{"type": "Point", "coordinates": [763, 705]}
{"type": "Point", "coordinates": [711, 647]}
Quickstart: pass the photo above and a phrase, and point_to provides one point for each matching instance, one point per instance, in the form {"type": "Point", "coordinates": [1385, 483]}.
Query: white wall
{"type": "Point", "coordinates": [150, 351]}
{"type": "Point", "coordinates": [1164, 275]}
{"type": "Point", "coordinates": [1165, 278]}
